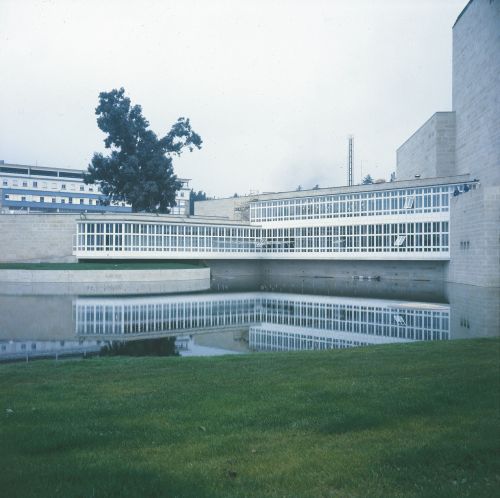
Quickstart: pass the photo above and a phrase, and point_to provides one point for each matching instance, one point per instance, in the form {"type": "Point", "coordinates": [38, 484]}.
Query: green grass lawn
{"type": "Point", "coordinates": [399, 420]}
{"type": "Point", "coordinates": [116, 265]}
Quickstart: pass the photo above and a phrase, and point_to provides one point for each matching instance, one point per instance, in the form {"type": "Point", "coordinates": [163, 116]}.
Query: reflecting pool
{"type": "Point", "coordinates": [239, 316]}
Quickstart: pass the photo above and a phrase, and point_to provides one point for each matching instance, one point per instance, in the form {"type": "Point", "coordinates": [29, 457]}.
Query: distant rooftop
{"type": "Point", "coordinates": [35, 170]}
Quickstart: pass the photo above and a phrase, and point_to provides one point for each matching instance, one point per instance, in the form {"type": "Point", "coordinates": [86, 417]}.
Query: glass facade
{"type": "Point", "coordinates": [175, 240]}
{"type": "Point", "coordinates": [399, 202]}
{"type": "Point", "coordinates": [411, 223]}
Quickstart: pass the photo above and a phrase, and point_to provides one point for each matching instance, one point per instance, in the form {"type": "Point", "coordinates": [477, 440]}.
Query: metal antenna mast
{"type": "Point", "coordinates": [349, 161]}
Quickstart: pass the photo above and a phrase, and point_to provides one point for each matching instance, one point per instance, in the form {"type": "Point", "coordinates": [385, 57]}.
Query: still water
{"type": "Point", "coordinates": [240, 316]}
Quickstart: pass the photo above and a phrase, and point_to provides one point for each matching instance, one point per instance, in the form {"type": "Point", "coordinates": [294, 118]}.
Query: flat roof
{"type": "Point", "coordinates": [43, 168]}
{"type": "Point", "coordinates": [417, 182]}
{"type": "Point", "coordinates": [161, 218]}
{"type": "Point", "coordinates": [59, 170]}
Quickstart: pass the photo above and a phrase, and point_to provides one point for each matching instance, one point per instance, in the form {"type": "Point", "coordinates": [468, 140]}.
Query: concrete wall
{"type": "Point", "coordinates": [405, 271]}
{"type": "Point", "coordinates": [234, 208]}
{"type": "Point", "coordinates": [144, 281]}
{"type": "Point", "coordinates": [430, 151]}
{"type": "Point", "coordinates": [476, 84]}
{"type": "Point", "coordinates": [475, 238]}
{"type": "Point", "coordinates": [37, 237]}
{"type": "Point", "coordinates": [269, 272]}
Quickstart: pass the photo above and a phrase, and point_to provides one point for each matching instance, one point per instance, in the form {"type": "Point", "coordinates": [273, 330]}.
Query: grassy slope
{"type": "Point", "coordinates": [164, 265]}
{"type": "Point", "coordinates": [399, 420]}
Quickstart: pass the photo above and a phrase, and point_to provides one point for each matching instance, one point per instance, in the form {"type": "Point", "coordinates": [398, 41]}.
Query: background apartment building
{"type": "Point", "coordinates": [25, 188]}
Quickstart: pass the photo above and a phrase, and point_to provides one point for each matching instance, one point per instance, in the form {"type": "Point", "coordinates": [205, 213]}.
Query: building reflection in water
{"type": "Point", "coordinates": [243, 321]}
{"type": "Point", "coordinates": [272, 321]}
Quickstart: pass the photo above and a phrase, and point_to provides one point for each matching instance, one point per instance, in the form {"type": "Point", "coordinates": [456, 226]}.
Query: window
{"type": "Point", "coordinates": [35, 184]}
{"type": "Point", "coordinates": [63, 186]}
{"type": "Point", "coordinates": [91, 189]}
{"type": "Point", "coordinates": [25, 184]}
{"type": "Point", "coordinates": [5, 183]}
{"type": "Point", "coordinates": [81, 201]}
{"type": "Point", "coordinates": [6, 196]}
{"type": "Point", "coordinates": [409, 201]}
{"type": "Point", "coordinates": [400, 240]}
{"type": "Point", "coordinates": [70, 200]}
{"type": "Point", "coordinates": [81, 188]}
{"type": "Point", "coordinates": [23, 198]}
{"type": "Point", "coordinates": [53, 199]}
{"type": "Point", "coordinates": [42, 199]}
{"type": "Point", "coordinates": [63, 200]}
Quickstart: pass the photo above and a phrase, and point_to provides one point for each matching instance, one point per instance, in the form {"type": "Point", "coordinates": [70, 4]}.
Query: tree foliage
{"type": "Point", "coordinates": [367, 180]}
{"type": "Point", "coordinates": [196, 196]}
{"type": "Point", "coordinates": [139, 168]}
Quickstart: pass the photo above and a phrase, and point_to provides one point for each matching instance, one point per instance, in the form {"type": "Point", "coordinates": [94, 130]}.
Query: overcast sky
{"type": "Point", "coordinates": [273, 87]}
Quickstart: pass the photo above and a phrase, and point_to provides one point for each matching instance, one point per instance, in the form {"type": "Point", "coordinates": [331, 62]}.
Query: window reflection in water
{"type": "Point", "coordinates": [273, 321]}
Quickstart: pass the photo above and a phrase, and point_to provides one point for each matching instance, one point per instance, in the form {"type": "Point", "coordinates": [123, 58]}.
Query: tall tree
{"type": "Point", "coordinates": [139, 168]}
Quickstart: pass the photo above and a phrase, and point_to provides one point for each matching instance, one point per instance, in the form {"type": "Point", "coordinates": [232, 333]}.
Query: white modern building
{"type": "Point", "coordinates": [392, 222]}
{"type": "Point", "coordinates": [25, 188]}
{"type": "Point", "coordinates": [439, 220]}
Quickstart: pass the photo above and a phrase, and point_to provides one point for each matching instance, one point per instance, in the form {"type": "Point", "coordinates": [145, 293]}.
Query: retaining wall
{"type": "Point", "coordinates": [103, 281]}
{"type": "Point", "coordinates": [388, 270]}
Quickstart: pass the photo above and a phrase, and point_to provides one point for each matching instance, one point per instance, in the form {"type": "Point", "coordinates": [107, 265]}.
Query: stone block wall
{"type": "Point", "coordinates": [476, 84]}
{"type": "Point", "coordinates": [234, 208]}
{"type": "Point", "coordinates": [430, 151]}
{"type": "Point", "coordinates": [37, 237]}
{"type": "Point", "coordinates": [475, 238]}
